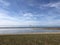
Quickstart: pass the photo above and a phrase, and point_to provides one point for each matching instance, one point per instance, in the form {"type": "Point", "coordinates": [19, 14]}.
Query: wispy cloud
{"type": "Point", "coordinates": [7, 20]}
{"type": "Point", "coordinates": [27, 17]}
{"type": "Point", "coordinates": [4, 4]}
{"type": "Point", "coordinates": [51, 4]}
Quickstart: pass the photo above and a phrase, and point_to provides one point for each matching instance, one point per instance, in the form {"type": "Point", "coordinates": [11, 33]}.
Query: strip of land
{"type": "Point", "coordinates": [34, 28]}
{"type": "Point", "coordinates": [32, 33]}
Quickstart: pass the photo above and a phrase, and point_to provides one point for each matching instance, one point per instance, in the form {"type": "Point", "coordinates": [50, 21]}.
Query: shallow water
{"type": "Point", "coordinates": [21, 31]}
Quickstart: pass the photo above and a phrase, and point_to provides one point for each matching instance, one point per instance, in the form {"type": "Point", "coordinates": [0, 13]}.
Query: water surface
{"type": "Point", "coordinates": [21, 31]}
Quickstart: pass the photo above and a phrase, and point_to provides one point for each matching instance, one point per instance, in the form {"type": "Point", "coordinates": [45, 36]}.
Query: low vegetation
{"type": "Point", "coordinates": [30, 39]}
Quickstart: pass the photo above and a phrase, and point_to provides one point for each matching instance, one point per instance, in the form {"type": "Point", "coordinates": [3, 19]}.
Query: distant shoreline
{"type": "Point", "coordinates": [34, 28]}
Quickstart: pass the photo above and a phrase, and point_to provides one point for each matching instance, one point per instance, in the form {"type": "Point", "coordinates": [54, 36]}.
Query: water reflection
{"type": "Point", "coordinates": [19, 31]}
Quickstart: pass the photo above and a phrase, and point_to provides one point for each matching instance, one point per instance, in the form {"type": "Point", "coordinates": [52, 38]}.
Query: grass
{"type": "Point", "coordinates": [30, 39]}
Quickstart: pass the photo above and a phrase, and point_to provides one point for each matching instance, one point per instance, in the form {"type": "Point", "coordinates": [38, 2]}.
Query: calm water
{"type": "Point", "coordinates": [21, 31]}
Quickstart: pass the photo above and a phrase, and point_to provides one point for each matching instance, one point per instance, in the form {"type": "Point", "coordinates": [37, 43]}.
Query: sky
{"type": "Point", "coordinates": [29, 13]}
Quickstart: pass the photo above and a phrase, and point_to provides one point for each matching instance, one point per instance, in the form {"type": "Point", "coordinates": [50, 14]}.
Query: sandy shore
{"type": "Point", "coordinates": [34, 33]}
{"type": "Point", "coordinates": [43, 33]}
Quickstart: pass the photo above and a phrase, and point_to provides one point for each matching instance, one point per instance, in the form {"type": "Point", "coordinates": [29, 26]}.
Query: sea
{"type": "Point", "coordinates": [24, 31]}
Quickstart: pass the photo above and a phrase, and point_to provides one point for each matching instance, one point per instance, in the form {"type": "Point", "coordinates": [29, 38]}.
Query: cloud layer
{"type": "Point", "coordinates": [29, 13]}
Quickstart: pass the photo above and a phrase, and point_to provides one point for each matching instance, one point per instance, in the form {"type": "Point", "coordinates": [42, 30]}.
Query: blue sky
{"type": "Point", "coordinates": [30, 12]}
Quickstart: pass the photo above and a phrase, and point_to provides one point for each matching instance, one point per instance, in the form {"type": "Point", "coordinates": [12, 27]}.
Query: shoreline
{"type": "Point", "coordinates": [31, 28]}
{"type": "Point", "coordinates": [34, 33]}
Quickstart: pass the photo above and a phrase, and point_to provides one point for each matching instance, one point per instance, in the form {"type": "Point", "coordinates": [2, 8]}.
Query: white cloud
{"type": "Point", "coordinates": [7, 20]}
{"type": "Point", "coordinates": [5, 15]}
{"type": "Point", "coordinates": [4, 4]}
{"type": "Point", "coordinates": [28, 14]}
{"type": "Point", "coordinates": [25, 16]}
{"type": "Point", "coordinates": [55, 5]}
